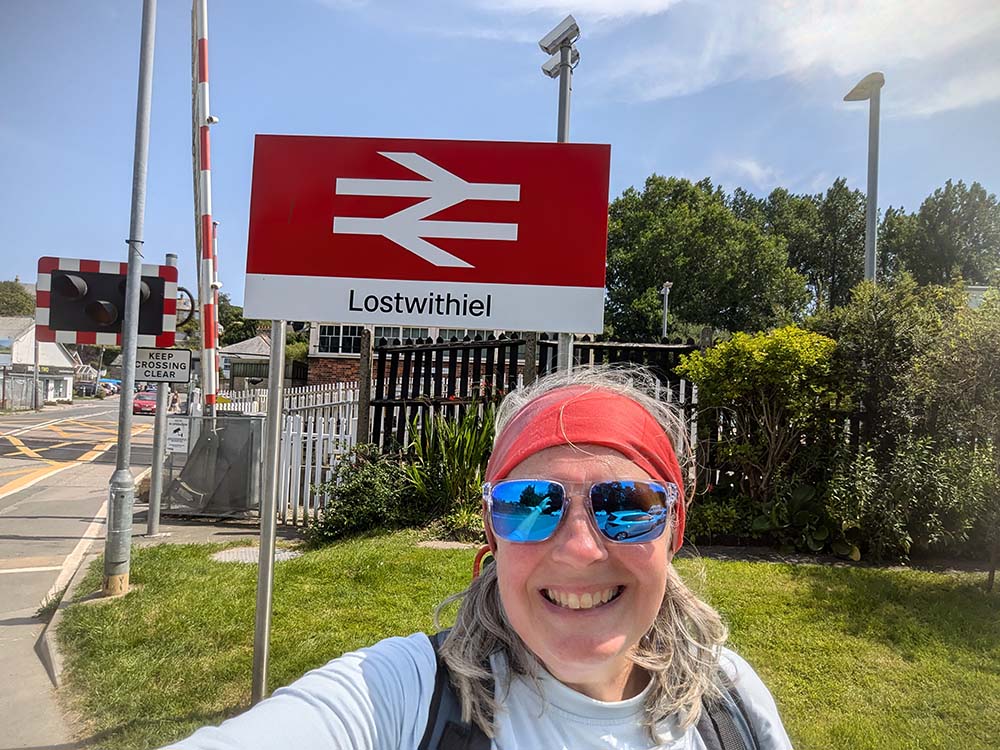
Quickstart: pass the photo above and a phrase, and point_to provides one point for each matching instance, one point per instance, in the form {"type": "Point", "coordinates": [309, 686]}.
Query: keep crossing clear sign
{"type": "Point", "coordinates": [163, 365]}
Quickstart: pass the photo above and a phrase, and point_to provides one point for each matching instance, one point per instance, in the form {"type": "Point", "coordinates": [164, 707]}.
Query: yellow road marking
{"type": "Point", "coordinates": [22, 448]}
{"type": "Point", "coordinates": [11, 472]}
{"type": "Point", "coordinates": [34, 476]}
{"type": "Point", "coordinates": [95, 452]}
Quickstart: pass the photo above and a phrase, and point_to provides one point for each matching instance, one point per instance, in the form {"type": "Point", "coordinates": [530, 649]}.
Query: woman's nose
{"type": "Point", "coordinates": [578, 542]}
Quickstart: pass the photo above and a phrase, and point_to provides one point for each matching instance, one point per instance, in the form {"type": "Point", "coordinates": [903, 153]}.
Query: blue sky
{"type": "Point", "coordinates": [747, 93]}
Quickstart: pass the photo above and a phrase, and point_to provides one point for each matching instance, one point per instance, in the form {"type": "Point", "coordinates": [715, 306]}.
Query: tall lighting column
{"type": "Point", "coordinates": [559, 44]}
{"type": "Point", "coordinates": [870, 88]}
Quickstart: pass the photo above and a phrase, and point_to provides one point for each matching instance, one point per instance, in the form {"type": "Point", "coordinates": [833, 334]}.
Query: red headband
{"type": "Point", "coordinates": [581, 415]}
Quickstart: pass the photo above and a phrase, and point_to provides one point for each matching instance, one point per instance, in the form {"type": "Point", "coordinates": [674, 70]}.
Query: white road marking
{"type": "Point", "coordinates": [40, 569]}
{"type": "Point", "coordinates": [72, 561]}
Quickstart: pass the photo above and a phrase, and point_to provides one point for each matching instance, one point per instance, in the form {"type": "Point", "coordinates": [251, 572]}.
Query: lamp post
{"type": "Point", "coordinates": [870, 88]}
{"type": "Point", "coordinates": [563, 57]}
{"type": "Point", "coordinates": [665, 291]}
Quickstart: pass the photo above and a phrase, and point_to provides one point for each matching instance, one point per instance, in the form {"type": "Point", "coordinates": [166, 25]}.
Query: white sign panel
{"type": "Point", "coordinates": [178, 434]}
{"type": "Point", "coordinates": [163, 365]}
{"type": "Point", "coordinates": [6, 352]}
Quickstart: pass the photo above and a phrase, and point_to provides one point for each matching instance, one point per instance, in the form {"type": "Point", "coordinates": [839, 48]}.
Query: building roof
{"type": "Point", "coordinates": [256, 348]}
{"type": "Point", "coordinates": [15, 327]}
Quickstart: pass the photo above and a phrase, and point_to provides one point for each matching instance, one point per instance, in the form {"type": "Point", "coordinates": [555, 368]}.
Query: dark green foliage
{"type": "Point", "coordinates": [235, 327]}
{"type": "Point", "coordinates": [15, 300]}
{"type": "Point", "coordinates": [446, 470]}
{"type": "Point", "coordinates": [956, 232]}
{"type": "Point", "coordinates": [687, 233]}
{"type": "Point", "coordinates": [366, 494]}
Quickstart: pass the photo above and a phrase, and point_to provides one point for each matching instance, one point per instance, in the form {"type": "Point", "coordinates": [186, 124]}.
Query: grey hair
{"type": "Point", "coordinates": [680, 651]}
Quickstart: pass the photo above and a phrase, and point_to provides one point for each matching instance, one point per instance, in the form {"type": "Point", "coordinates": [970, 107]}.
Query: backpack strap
{"type": "Point", "coordinates": [445, 729]}
{"type": "Point", "coordinates": [724, 724]}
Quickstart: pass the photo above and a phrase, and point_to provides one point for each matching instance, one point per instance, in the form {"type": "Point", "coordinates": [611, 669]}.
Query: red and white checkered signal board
{"type": "Point", "coordinates": [161, 330]}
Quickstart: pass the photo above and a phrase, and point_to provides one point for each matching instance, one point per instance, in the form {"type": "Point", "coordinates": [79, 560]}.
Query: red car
{"type": "Point", "coordinates": [144, 403]}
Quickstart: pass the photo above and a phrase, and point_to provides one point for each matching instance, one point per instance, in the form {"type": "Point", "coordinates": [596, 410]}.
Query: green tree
{"type": "Point", "coordinates": [726, 271]}
{"type": "Point", "coordinates": [15, 300]}
{"type": "Point", "coordinates": [839, 263]}
{"type": "Point", "coordinates": [897, 234]}
{"type": "Point", "coordinates": [957, 234]}
{"type": "Point", "coordinates": [236, 328]}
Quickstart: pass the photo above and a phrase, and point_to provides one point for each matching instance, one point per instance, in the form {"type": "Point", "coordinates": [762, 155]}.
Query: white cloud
{"type": "Point", "coordinates": [592, 9]}
{"type": "Point", "coordinates": [936, 56]}
{"type": "Point", "coordinates": [746, 172]}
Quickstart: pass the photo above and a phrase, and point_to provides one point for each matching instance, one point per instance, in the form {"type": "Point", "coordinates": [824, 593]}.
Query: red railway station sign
{"type": "Point", "coordinates": [481, 234]}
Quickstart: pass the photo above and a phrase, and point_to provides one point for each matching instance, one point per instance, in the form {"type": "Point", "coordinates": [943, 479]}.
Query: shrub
{"type": "Point", "coordinates": [365, 493]}
{"type": "Point", "coordinates": [718, 521]}
{"type": "Point", "coordinates": [925, 499]}
{"type": "Point", "coordinates": [448, 461]}
{"type": "Point", "coordinates": [776, 396]}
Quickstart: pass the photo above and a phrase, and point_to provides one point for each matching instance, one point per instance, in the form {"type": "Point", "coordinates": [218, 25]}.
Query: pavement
{"type": "Point", "coordinates": [55, 466]}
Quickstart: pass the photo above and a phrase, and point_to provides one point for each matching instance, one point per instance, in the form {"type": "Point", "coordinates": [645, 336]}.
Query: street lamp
{"type": "Point", "coordinates": [558, 44]}
{"type": "Point", "coordinates": [665, 291]}
{"type": "Point", "coordinates": [870, 88]}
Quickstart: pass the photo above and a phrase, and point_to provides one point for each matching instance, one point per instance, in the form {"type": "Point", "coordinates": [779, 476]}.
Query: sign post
{"type": "Point", "coordinates": [160, 424]}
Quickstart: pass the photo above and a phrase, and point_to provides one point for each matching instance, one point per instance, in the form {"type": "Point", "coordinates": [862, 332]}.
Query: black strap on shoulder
{"type": "Point", "coordinates": [445, 729]}
{"type": "Point", "coordinates": [724, 724]}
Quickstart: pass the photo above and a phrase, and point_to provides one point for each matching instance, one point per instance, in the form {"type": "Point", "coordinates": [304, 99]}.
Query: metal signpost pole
{"type": "Point", "coordinates": [159, 439]}
{"type": "Point", "coordinates": [564, 356]}
{"type": "Point", "coordinates": [268, 505]}
{"type": "Point", "coordinates": [118, 543]}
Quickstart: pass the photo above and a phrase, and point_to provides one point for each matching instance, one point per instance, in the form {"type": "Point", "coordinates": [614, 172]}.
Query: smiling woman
{"type": "Point", "coordinates": [580, 635]}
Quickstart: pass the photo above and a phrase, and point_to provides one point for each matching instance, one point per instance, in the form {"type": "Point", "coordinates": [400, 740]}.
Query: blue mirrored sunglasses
{"type": "Point", "coordinates": [530, 510]}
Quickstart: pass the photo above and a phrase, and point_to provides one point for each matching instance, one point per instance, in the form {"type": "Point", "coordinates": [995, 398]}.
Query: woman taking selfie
{"type": "Point", "coordinates": [580, 634]}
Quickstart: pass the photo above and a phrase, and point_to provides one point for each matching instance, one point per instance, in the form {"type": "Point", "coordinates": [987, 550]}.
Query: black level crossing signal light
{"type": "Point", "coordinates": [93, 301]}
{"type": "Point", "coordinates": [83, 302]}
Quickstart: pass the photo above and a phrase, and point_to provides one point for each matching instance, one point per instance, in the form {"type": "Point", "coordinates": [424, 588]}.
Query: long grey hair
{"type": "Point", "coordinates": [680, 651]}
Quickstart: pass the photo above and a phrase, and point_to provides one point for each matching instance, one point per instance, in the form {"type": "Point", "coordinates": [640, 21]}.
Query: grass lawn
{"type": "Point", "coordinates": [856, 657]}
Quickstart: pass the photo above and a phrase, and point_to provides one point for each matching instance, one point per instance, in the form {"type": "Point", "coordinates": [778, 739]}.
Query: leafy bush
{"type": "Point", "coordinates": [926, 499]}
{"type": "Point", "coordinates": [775, 395]}
{"type": "Point", "coordinates": [448, 461]}
{"type": "Point", "coordinates": [366, 493]}
{"type": "Point", "coordinates": [718, 521]}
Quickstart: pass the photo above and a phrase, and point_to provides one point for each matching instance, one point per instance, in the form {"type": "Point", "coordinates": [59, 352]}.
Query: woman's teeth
{"type": "Point", "coordinates": [582, 601]}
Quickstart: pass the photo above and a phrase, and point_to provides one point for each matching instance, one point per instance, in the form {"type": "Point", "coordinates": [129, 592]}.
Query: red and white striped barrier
{"type": "Point", "coordinates": [43, 289]}
{"type": "Point", "coordinates": [206, 235]}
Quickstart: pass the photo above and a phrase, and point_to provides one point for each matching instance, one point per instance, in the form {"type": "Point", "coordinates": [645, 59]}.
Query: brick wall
{"type": "Point", "coordinates": [333, 370]}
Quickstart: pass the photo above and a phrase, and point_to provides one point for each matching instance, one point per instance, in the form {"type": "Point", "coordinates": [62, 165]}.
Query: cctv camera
{"type": "Point", "coordinates": [216, 284]}
{"type": "Point", "coordinates": [212, 119]}
{"type": "Point", "coordinates": [551, 66]}
{"type": "Point", "coordinates": [566, 31]}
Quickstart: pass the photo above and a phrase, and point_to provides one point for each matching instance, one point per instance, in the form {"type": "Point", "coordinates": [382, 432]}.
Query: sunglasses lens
{"type": "Point", "coordinates": [526, 510]}
{"type": "Point", "coordinates": [632, 511]}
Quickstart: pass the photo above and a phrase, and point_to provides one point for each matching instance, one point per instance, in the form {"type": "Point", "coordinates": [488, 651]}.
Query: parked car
{"type": "Point", "coordinates": [84, 388]}
{"type": "Point", "coordinates": [144, 403]}
{"type": "Point", "coordinates": [622, 524]}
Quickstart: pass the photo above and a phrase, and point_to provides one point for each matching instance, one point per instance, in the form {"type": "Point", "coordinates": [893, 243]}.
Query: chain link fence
{"type": "Point", "coordinates": [16, 393]}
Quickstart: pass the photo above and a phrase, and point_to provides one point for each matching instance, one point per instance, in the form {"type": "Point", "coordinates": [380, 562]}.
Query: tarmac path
{"type": "Point", "coordinates": [55, 466]}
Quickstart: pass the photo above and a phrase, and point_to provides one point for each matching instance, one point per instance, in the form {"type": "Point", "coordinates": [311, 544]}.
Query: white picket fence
{"type": "Point", "coordinates": [319, 424]}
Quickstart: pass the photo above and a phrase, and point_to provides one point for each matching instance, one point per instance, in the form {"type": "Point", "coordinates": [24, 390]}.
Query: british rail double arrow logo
{"type": "Point", "coordinates": [409, 227]}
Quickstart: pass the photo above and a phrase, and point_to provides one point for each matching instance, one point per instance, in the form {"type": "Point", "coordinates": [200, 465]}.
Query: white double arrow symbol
{"type": "Point", "coordinates": [408, 227]}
